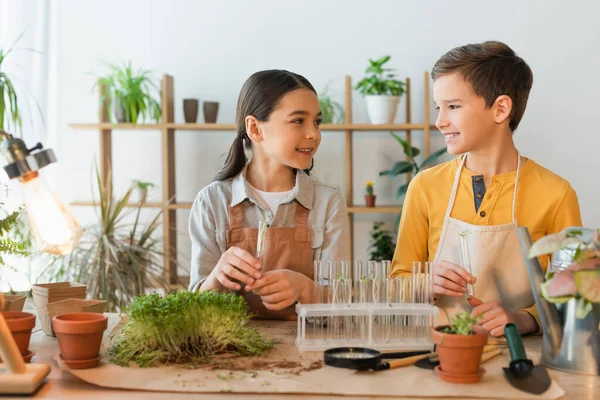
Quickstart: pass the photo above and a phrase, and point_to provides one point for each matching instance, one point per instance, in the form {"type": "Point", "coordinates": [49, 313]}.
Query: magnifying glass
{"type": "Point", "coordinates": [362, 359]}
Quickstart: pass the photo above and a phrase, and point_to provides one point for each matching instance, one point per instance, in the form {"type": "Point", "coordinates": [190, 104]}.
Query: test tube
{"type": "Point", "coordinates": [466, 260]}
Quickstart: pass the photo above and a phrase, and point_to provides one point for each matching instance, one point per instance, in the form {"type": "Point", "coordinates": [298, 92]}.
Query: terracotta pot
{"type": "Point", "coordinates": [190, 110]}
{"type": "Point", "coordinates": [460, 354]}
{"type": "Point", "coordinates": [79, 335]}
{"type": "Point", "coordinates": [370, 200]}
{"type": "Point", "coordinates": [47, 293]}
{"type": "Point", "coordinates": [14, 303]}
{"type": "Point", "coordinates": [20, 325]}
{"type": "Point", "coordinates": [211, 109]}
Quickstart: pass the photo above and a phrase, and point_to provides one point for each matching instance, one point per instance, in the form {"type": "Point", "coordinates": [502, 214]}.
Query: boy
{"type": "Point", "coordinates": [481, 91]}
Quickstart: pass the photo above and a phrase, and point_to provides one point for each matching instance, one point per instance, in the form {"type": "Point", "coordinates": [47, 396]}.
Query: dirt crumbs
{"type": "Point", "coordinates": [288, 367]}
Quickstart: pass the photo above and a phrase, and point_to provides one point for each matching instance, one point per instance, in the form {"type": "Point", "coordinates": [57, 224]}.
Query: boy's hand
{"type": "Point", "coordinates": [281, 288]}
{"type": "Point", "coordinates": [450, 279]}
{"type": "Point", "coordinates": [494, 317]}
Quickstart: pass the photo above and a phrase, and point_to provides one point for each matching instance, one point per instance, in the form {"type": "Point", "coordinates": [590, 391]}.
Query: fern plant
{"type": "Point", "coordinates": [9, 246]}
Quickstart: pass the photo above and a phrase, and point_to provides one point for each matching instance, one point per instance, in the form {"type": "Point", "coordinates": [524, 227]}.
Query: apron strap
{"type": "Point", "coordinates": [301, 231]}
{"type": "Point", "coordinates": [236, 216]}
{"type": "Point", "coordinates": [514, 220]}
{"type": "Point", "coordinates": [455, 187]}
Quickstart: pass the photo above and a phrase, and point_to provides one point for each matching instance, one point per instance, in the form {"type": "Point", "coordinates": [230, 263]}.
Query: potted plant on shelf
{"type": "Point", "coordinates": [332, 112]}
{"type": "Point", "coordinates": [129, 94]}
{"type": "Point", "coordinates": [382, 91]}
{"type": "Point", "coordinates": [119, 260]}
{"type": "Point", "coordinates": [369, 196]}
{"type": "Point", "coordinates": [460, 346]}
{"type": "Point", "coordinates": [382, 243]}
{"type": "Point", "coordinates": [141, 190]}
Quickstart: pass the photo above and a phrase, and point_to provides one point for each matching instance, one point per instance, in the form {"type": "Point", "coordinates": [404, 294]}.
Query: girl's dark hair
{"type": "Point", "coordinates": [259, 96]}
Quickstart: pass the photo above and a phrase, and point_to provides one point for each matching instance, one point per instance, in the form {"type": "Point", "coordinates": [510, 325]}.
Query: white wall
{"type": "Point", "coordinates": [211, 47]}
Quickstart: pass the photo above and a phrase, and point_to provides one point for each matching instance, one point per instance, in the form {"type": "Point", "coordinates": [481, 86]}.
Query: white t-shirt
{"type": "Point", "coordinates": [271, 200]}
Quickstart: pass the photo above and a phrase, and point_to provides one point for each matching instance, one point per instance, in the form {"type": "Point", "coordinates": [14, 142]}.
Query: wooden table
{"type": "Point", "coordinates": [62, 385]}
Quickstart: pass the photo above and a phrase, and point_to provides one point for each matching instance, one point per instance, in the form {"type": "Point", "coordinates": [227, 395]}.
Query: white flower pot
{"type": "Point", "coordinates": [382, 108]}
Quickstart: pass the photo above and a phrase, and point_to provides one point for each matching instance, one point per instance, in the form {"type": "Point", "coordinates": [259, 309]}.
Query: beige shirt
{"type": "Point", "coordinates": [209, 219]}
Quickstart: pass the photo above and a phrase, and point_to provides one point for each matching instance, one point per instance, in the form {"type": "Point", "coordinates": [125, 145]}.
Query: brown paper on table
{"type": "Point", "coordinates": [408, 381]}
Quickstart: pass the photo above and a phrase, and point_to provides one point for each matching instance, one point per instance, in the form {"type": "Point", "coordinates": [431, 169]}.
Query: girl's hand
{"type": "Point", "coordinates": [450, 279]}
{"type": "Point", "coordinates": [237, 264]}
{"type": "Point", "coordinates": [282, 288]}
{"type": "Point", "coordinates": [494, 317]}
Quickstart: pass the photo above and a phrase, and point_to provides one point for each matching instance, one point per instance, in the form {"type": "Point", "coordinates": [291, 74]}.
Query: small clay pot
{"type": "Point", "coordinates": [211, 109]}
{"type": "Point", "coordinates": [79, 335]}
{"type": "Point", "coordinates": [20, 325]}
{"type": "Point", "coordinates": [370, 200]}
{"type": "Point", "coordinates": [460, 355]}
{"type": "Point", "coordinates": [190, 110]}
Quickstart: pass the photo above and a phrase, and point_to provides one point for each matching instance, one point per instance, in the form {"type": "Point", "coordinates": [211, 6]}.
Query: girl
{"type": "Point", "coordinates": [278, 118]}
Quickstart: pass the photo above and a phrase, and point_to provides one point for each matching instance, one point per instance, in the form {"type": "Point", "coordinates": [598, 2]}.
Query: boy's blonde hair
{"type": "Point", "coordinates": [493, 69]}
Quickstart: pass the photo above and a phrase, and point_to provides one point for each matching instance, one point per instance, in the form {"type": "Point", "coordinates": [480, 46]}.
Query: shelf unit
{"type": "Point", "coordinates": [168, 127]}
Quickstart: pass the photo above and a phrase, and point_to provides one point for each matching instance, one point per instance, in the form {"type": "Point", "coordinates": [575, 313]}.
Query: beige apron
{"type": "Point", "coordinates": [496, 260]}
{"type": "Point", "coordinates": [285, 248]}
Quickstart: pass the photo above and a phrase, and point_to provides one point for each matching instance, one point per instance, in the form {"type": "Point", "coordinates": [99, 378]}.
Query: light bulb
{"type": "Point", "coordinates": [54, 228]}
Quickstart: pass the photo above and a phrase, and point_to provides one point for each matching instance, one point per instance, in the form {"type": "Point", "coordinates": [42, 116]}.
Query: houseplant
{"type": "Point", "coordinates": [382, 243]}
{"type": "Point", "coordinates": [369, 196]}
{"type": "Point", "coordinates": [332, 112]}
{"type": "Point", "coordinates": [186, 328]}
{"type": "Point", "coordinates": [459, 346]}
{"type": "Point", "coordinates": [120, 260]}
{"type": "Point", "coordinates": [409, 166]}
{"type": "Point", "coordinates": [130, 94]}
{"type": "Point", "coordinates": [382, 91]}
{"type": "Point", "coordinates": [580, 281]}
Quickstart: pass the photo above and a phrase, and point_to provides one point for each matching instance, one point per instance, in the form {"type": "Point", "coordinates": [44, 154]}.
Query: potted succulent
{"type": "Point", "coordinates": [130, 94]}
{"type": "Point", "coordinates": [460, 346]}
{"type": "Point", "coordinates": [382, 91]}
{"type": "Point", "coordinates": [579, 281]}
{"type": "Point", "coordinates": [382, 243]}
{"type": "Point", "coordinates": [369, 196]}
{"type": "Point", "coordinates": [79, 338]}
{"type": "Point", "coordinates": [332, 112]}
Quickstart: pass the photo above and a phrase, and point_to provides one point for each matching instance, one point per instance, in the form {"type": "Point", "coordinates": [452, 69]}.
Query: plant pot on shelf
{"type": "Point", "coordinates": [20, 325]}
{"type": "Point", "coordinates": [370, 200]}
{"type": "Point", "coordinates": [14, 303]}
{"type": "Point", "coordinates": [460, 355]}
{"type": "Point", "coordinates": [190, 110]}
{"type": "Point", "coordinates": [47, 293]}
{"type": "Point", "coordinates": [120, 113]}
{"type": "Point", "coordinates": [211, 109]}
{"type": "Point", "coordinates": [79, 338]}
{"type": "Point", "coordinates": [382, 108]}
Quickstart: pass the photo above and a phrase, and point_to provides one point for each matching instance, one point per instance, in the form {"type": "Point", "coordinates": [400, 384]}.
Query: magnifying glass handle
{"type": "Point", "coordinates": [403, 362]}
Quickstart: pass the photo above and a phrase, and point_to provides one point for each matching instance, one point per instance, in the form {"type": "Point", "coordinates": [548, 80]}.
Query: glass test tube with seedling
{"type": "Point", "coordinates": [466, 260]}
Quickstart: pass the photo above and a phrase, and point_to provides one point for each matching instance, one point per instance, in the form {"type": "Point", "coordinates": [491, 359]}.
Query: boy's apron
{"type": "Point", "coordinates": [496, 260]}
{"type": "Point", "coordinates": [285, 248]}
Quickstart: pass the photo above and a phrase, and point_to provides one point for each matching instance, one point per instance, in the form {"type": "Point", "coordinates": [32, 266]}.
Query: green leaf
{"type": "Point", "coordinates": [402, 191]}
{"type": "Point", "coordinates": [401, 167]}
{"type": "Point", "coordinates": [432, 158]}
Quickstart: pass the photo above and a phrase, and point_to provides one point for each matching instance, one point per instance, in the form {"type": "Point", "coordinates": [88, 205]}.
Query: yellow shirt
{"type": "Point", "coordinates": [545, 203]}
